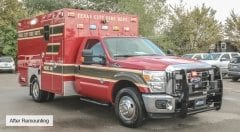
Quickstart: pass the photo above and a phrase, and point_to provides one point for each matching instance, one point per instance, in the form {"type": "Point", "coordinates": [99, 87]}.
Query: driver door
{"type": "Point", "coordinates": [90, 77]}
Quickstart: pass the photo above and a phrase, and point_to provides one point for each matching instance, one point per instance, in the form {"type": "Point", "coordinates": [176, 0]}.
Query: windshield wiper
{"type": "Point", "coordinates": [124, 55]}
{"type": "Point", "coordinates": [150, 55]}
{"type": "Point", "coordinates": [137, 55]}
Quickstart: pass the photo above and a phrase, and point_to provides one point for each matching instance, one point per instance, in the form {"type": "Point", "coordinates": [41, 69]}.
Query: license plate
{"type": "Point", "coordinates": [235, 67]}
{"type": "Point", "coordinates": [200, 102]}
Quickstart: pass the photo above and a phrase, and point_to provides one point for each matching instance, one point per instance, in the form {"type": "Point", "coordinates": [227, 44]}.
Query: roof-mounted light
{"type": "Point", "coordinates": [126, 29]}
{"type": "Point", "coordinates": [71, 14]}
{"type": "Point", "coordinates": [80, 26]}
{"type": "Point", "coordinates": [92, 27]}
{"type": "Point", "coordinates": [115, 28]}
{"type": "Point", "coordinates": [104, 27]}
{"type": "Point", "coordinates": [34, 21]}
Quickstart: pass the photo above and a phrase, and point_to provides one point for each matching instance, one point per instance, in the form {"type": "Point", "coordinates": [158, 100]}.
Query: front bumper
{"type": "Point", "coordinates": [234, 73]}
{"type": "Point", "coordinates": [166, 106]}
{"type": "Point", "coordinates": [7, 69]}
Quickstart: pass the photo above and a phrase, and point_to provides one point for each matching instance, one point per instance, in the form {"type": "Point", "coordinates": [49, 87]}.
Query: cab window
{"type": "Point", "coordinates": [226, 56]}
{"type": "Point", "coordinates": [96, 47]}
{"type": "Point", "coordinates": [235, 55]}
{"type": "Point", "coordinates": [197, 57]}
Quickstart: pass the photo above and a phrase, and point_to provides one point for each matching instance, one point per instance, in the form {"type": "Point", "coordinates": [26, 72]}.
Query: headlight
{"type": "Point", "coordinates": [156, 80]}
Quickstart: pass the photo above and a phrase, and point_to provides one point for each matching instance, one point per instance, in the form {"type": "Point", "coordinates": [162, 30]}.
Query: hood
{"type": "Point", "coordinates": [209, 61]}
{"type": "Point", "coordinates": [159, 63]}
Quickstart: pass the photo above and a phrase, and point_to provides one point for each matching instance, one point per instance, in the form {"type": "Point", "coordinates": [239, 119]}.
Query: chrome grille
{"type": "Point", "coordinates": [197, 86]}
{"type": "Point", "coordinates": [198, 83]}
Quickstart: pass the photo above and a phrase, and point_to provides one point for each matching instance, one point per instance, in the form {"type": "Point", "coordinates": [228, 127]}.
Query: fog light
{"type": "Point", "coordinates": [161, 104]}
{"type": "Point", "coordinates": [169, 105]}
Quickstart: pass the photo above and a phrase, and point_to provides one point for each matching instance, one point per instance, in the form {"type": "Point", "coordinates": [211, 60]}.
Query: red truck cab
{"type": "Point", "coordinates": [100, 57]}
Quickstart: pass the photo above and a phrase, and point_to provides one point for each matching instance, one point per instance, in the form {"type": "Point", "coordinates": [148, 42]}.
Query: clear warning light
{"type": "Point", "coordinates": [104, 27]}
{"type": "Point", "coordinates": [80, 26]}
{"type": "Point", "coordinates": [34, 21]}
{"type": "Point", "coordinates": [126, 29]}
{"type": "Point", "coordinates": [93, 27]}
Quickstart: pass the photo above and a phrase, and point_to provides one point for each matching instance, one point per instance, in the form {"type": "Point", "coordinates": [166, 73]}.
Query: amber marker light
{"type": "Point", "coordinates": [194, 73]}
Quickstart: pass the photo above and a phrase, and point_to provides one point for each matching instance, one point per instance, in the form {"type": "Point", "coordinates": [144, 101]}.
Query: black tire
{"type": "Point", "coordinates": [38, 95]}
{"type": "Point", "coordinates": [234, 79]}
{"type": "Point", "coordinates": [50, 96]}
{"type": "Point", "coordinates": [133, 96]}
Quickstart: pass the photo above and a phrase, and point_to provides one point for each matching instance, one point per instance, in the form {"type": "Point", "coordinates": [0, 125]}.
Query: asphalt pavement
{"type": "Point", "coordinates": [70, 114]}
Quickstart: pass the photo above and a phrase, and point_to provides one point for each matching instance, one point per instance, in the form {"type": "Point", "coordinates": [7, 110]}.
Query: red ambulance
{"type": "Point", "coordinates": [101, 57]}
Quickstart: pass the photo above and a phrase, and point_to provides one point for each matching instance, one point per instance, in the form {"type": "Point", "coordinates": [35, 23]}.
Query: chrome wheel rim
{"type": "Point", "coordinates": [127, 108]}
{"type": "Point", "coordinates": [35, 90]}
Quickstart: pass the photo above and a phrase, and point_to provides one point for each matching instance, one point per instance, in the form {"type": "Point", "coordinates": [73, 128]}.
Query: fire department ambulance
{"type": "Point", "coordinates": [100, 57]}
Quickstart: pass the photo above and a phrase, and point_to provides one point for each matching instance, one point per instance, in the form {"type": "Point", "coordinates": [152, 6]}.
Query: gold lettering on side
{"type": "Point", "coordinates": [103, 17]}
{"type": "Point", "coordinates": [47, 68]}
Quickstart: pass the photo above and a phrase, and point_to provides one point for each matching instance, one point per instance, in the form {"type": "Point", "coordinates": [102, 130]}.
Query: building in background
{"type": "Point", "coordinates": [224, 46]}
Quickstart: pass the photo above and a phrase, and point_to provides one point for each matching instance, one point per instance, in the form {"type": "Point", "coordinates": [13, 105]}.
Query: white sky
{"type": "Point", "coordinates": [223, 7]}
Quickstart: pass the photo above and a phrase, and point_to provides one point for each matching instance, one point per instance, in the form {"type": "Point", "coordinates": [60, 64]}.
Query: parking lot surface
{"type": "Point", "coordinates": [71, 114]}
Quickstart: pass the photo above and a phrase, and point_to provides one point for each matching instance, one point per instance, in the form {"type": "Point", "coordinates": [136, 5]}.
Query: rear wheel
{"type": "Point", "coordinates": [235, 79]}
{"type": "Point", "coordinates": [39, 95]}
{"type": "Point", "coordinates": [129, 107]}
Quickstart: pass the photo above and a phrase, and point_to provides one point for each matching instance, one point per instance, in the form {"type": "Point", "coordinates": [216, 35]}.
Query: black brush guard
{"type": "Point", "coordinates": [213, 96]}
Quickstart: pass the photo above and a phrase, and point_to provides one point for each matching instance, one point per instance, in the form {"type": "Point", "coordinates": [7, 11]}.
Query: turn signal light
{"type": "Point", "coordinates": [115, 28]}
{"type": "Point", "coordinates": [80, 26]}
{"type": "Point", "coordinates": [147, 77]}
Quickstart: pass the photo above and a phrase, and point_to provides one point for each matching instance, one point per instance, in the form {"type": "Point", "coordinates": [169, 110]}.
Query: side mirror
{"type": "Point", "coordinates": [223, 59]}
{"type": "Point", "coordinates": [170, 52]}
{"type": "Point", "coordinates": [88, 56]}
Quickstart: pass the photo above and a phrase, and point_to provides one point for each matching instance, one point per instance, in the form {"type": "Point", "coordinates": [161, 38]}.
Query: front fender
{"type": "Point", "coordinates": [133, 77]}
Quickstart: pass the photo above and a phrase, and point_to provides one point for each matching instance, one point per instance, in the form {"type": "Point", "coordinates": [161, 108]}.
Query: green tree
{"type": "Point", "coordinates": [148, 11]}
{"type": "Point", "coordinates": [10, 12]}
{"type": "Point", "coordinates": [9, 40]}
{"type": "Point", "coordinates": [192, 30]}
{"type": "Point", "coordinates": [35, 7]}
{"type": "Point", "coordinates": [232, 28]}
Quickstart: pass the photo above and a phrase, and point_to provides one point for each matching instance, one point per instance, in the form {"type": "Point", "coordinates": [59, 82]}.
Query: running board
{"type": "Point", "coordinates": [94, 101]}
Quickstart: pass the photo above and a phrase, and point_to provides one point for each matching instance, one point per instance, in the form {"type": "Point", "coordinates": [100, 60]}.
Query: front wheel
{"type": "Point", "coordinates": [129, 107]}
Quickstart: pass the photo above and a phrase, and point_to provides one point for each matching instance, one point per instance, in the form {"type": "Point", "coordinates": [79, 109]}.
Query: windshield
{"type": "Point", "coordinates": [210, 56]}
{"type": "Point", "coordinates": [6, 59]}
{"type": "Point", "coordinates": [127, 47]}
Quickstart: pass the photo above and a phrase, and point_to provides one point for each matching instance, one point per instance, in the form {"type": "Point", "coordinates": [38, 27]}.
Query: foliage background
{"type": "Point", "coordinates": [171, 27]}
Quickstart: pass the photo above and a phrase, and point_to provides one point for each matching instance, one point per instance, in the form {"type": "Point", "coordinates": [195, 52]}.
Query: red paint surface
{"type": "Point", "coordinates": [72, 43]}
